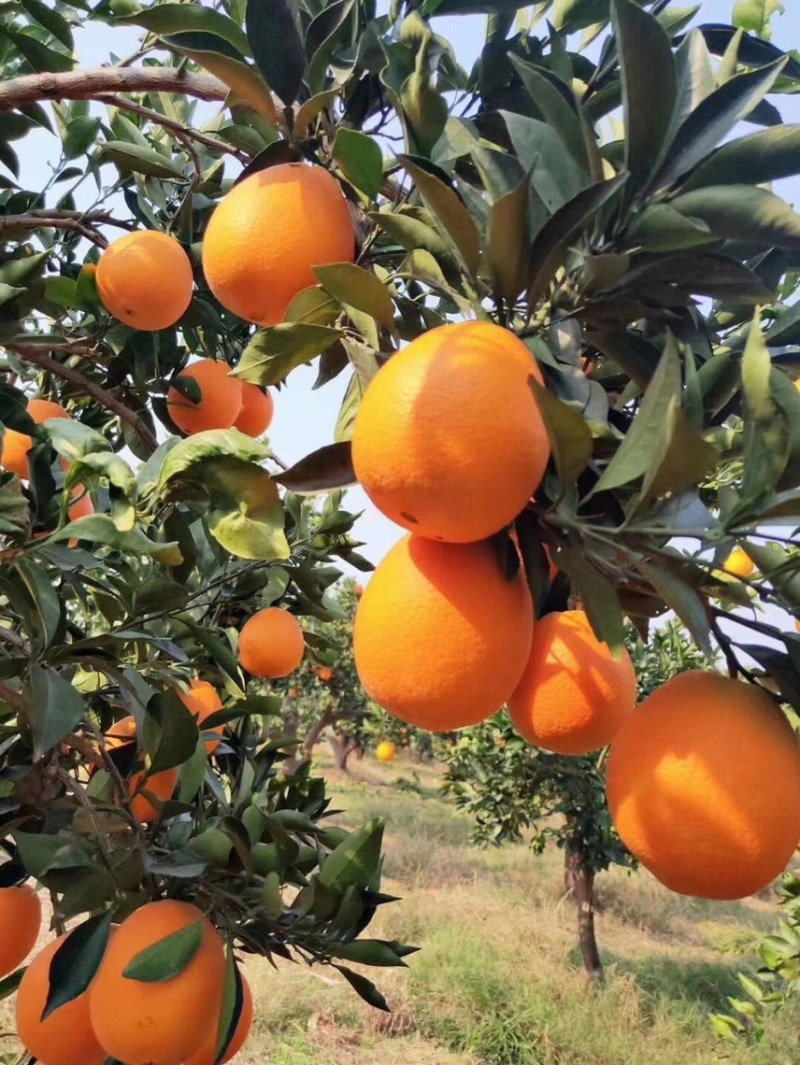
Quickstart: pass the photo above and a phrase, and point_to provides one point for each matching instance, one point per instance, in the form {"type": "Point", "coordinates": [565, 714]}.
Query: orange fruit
{"type": "Point", "coordinates": [704, 786]}
{"type": "Point", "coordinates": [20, 921]}
{"type": "Point", "coordinates": [220, 398]}
{"type": "Point", "coordinates": [161, 1023]}
{"type": "Point", "coordinates": [573, 695]}
{"type": "Point", "coordinates": [358, 590]}
{"type": "Point", "coordinates": [145, 280]}
{"type": "Point", "coordinates": [271, 643]}
{"type": "Point", "coordinates": [83, 506]}
{"type": "Point", "coordinates": [66, 1037]}
{"type": "Point", "coordinates": [797, 624]}
{"type": "Point", "coordinates": [441, 637]}
{"type": "Point", "coordinates": [385, 751]}
{"type": "Point", "coordinates": [257, 410]}
{"type": "Point", "coordinates": [267, 235]}
{"type": "Point", "coordinates": [325, 674]}
{"type": "Point", "coordinates": [448, 441]}
{"type": "Point", "coordinates": [739, 564]}
{"type": "Point", "coordinates": [207, 1054]}
{"type": "Point", "coordinates": [159, 785]}
{"type": "Point", "coordinates": [14, 456]}
{"type": "Point", "coordinates": [203, 700]}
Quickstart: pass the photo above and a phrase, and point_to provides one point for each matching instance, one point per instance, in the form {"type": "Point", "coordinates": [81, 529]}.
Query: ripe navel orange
{"type": "Point", "coordinates": [145, 280]}
{"type": "Point", "coordinates": [257, 411]}
{"type": "Point", "coordinates": [739, 564]}
{"type": "Point", "coordinates": [160, 1023]}
{"type": "Point", "coordinates": [448, 441]}
{"type": "Point", "coordinates": [574, 694]}
{"type": "Point", "coordinates": [66, 1037]}
{"type": "Point", "coordinates": [441, 637]}
{"type": "Point", "coordinates": [267, 235]}
{"type": "Point", "coordinates": [203, 700]}
{"type": "Point", "coordinates": [14, 456]}
{"type": "Point", "coordinates": [159, 785]}
{"type": "Point", "coordinates": [207, 1054]}
{"type": "Point", "coordinates": [385, 752]}
{"type": "Point", "coordinates": [220, 398]}
{"type": "Point", "coordinates": [20, 921]}
{"type": "Point", "coordinates": [704, 786]}
{"type": "Point", "coordinates": [271, 643]}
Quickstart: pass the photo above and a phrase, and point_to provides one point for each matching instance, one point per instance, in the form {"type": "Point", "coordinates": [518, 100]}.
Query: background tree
{"type": "Point", "coordinates": [517, 791]}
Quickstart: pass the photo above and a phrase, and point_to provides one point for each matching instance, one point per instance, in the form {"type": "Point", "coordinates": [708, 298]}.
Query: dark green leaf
{"type": "Point", "coordinates": [358, 288]}
{"type": "Point", "coordinates": [81, 135]}
{"type": "Point", "coordinates": [167, 958]}
{"type": "Point", "coordinates": [360, 159]}
{"type": "Point", "coordinates": [51, 20]}
{"type": "Point", "coordinates": [245, 82]}
{"type": "Point", "coordinates": [508, 241]}
{"type": "Point", "coordinates": [569, 433]}
{"type": "Point", "coordinates": [661, 227]}
{"type": "Point", "coordinates": [553, 108]}
{"type": "Point", "coordinates": [452, 217]}
{"type": "Point", "coordinates": [766, 431]}
{"type": "Point", "coordinates": [274, 36]}
{"type": "Point", "coordinates": [75, 963]}
{"type": "Point", "coordinates": [166, 19]}
{"type": "Point", "coordinates": [273, 353]}
{"type": "Point", "coordinates": [742, 212]}
{"type": "Point", "coordinates": [754, 160]}
{"type": "Point", "coordinates": [684, 600]}
{"type": "Point", "coordinates": [598, 597]}
{"type": "Point", "coordinates": [367, 952]}
{"type": "Point", "coordinates": [649, 89]}
{"type": "Point", "coordinates": [364, 988]}
{"type": "Point", "coordinates": [40, 57]}
{"type": "Point", "coordinates": [54, 711]}
{"type": "Point", "coordinates": [9, 984]}
{"type": "Point", "coordinates": [139, 160]}
{"type": "Point", "coordinates": [325, 469]}
{"type": "Point", "coordinates": [169, 736]}
{"type": "Point", "coordinates": [356, 860]}
{"type": "Point", "coordinates": [555, 176]}
{"type": "Point", "coordinates": [44, 598]}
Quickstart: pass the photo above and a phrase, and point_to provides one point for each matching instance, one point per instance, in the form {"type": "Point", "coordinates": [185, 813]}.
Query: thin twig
{"type": "Point", "coordinates": [175, 127]}
{"type": "Point", "coordinates": [100, 81]}
{"type": "Point", "coordinates": [37, 354]}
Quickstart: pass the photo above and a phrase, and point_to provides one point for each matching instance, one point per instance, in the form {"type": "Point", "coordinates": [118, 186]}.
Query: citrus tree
{"type": "Point", "coordinates": [515, 790]}
{"type": "Point", "coordinates": [266, 183]}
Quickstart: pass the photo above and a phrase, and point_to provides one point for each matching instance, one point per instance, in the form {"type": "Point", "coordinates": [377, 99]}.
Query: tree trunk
{"type": "Point", "coordinates": [327, 718]}
{"type": "Point", "coordinates": [579, 882]}
{"type": "Point", "coordinates": [343, 747]}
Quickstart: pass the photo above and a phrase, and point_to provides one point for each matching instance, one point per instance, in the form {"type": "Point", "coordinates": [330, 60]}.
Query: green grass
{"type": "Point", "coordinates": [498, 980]}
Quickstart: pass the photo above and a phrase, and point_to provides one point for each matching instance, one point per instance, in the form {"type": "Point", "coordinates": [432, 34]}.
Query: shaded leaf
{"type": "Point", "coordinates": [167, 19]}
{"type": "Point", "coordinates": [569, 433]}
{"type": "Point", "coordinates": [553, 108]}
{"type": "Point", "coordinates": [356, 860]}
{"type": "Point", "coordinates": [277, 47]}
{"type": "Point", "coordinates": [742, 212]}
{"type": "Point", "coordinates": [140, 160]}
{"type": "Point", "coordinates": [450, 214]}
{"type": "Point", "coordinates": [327, 468]}
{"type": "Point", "coordinates": [360, 159]}
{"type": "Point", "coordinates": [55, 709]}
{"type": "Point", "coordinates": [245, 82]}
{"type": "Point", "coordinates": [75, 963]}
{"type": "Point", "coordinates": [684, 600]}
{"type": "Point", "coordinates": [508, 241]}
{"type": "Point", "coordinates": [598, 597]}
{"type": "Point", "coordinates": [755, 160]}
{"type": "Point", "coordinates": [358, 288]}
{"type": "Point", "coordinates": [169, 735]}
{"type": "Point", "coordinates": [273, 353]}
{"type": "Point", "coordinates": [364, 988]}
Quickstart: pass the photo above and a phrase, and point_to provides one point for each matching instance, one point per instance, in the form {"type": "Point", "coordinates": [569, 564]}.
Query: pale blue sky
{"type": "Point", "coordinates": [304, 419]}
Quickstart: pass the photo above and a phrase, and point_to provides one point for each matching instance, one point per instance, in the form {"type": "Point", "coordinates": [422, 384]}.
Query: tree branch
{"type": "Point", "coordinates": [76, 221]}
{"type": "Point", "coordinates": [37, 354]}
{"type": "Point", "coordinates": [100, 81]}
{"type": "Point", "coordinates": [175, 127]}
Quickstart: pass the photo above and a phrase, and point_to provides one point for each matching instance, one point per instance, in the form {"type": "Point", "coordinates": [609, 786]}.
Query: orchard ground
{"type": "Point", "coordinates": [499, 981]}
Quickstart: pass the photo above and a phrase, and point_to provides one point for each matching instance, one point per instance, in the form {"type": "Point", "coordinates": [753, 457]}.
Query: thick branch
{"type": "Point", "coordinates": [100, 81]}
{"type": "Point", "coordinates": [76, 221]}
{"type": "Point", "coordinates": [36, 354]}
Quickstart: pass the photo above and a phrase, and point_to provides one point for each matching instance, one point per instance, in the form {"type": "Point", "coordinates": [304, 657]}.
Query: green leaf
{"type": "Point", "coordinates": [755, 160]}
{"type": "Point", "coordinates": [425, 110]}
{"type": "Point", "coordinates": [75, 963]}
{"type": "Point", "coordinates": [167, 19]}
{"type": "Point", "coordinates": [742, 212]}
{"type": "Point", "coordinates": [649, 89]}
{"type": "Point", "coordinates": [134, 158]}
{"type": "Point", "coordinates": [52, 21]}
{"type": "Point", "coordinates": [367, 952]}
{"type": "Point", "coordinates": [360, 159]}
{"type": "Point", "coordinates": [54, 710]}
{"type": "Point", "coordinates": [242, 79]}
{"type": "Point", "coordinates": [277, 47]}
{"type": "Point", "coordinates": [553, 108]}
{"type": "Point", "coordinates": [550, 245]}
{"type": "Point", "coordinates": [364, 988]}
{"type": "Point", "coordinates": [9, 292]}
{"type": "Point", "coordinates": [245, 514]}
{"type": "Point", "coordinates": [660, 227]}
{"type": "Point", "coordinates": [9, 984]}
{"type": "Point", "coordinates": [767, 438]}
{"type": "Point", "coordinates": [38, 55]}
{"type": "Point", "coordinates": [100, 529]}
{"type": "Point", "coordinates": [714, 119]}
{"type": "Point", "coordinates": [44, 597]}
{"type": "Point", "coordinates": [42, 852]}
{"type": "Point", "coordinates": [684, 600]}
{"type": "Point", "coordinates": [598, 597]}
{"type": "Point", "coordinates": [170, 733]}
{"type": "Point", "coordinates": [81, 135]}
{"type": "Point", "coordinates": [327, 32]}
{"type": "Point", "coordinates": [570, 435]}
{"type": "Point", "coordinates": [412, 234]}
{"type": "Point", "coordinates": [555, 176]}
{"type": "Point", "coordinates": [356, 860]}
{"type": "Point", "coordinates": [753, 16]}
{"type": "Point", "coordinates": [273, 353]}
{"type": "Point", "coordinates": [571, 15]}
{"type": "Point", "coordinates": [200, 447]}
{"type": "Point", "coordinates": [508, 241]}
{"type": "Point", "coordinates": [167, 958]}
{"type": "Point", "coordinates": [451, 216]}
{"type": "Point", "coordinates": [358, 288]}
{"type": "Point", "coordinates": [323, 470]}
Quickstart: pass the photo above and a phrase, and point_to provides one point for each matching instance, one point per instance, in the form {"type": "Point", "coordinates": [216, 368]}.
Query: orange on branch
{"type": "Point", "coordinates": [267, 235]}
{"type": "Point", "coordinates": [441, 635]}
{"type": "Point", "coordinates": [20, 921]}
{"type": "Point", "coordinates": [449, 441]}
{"type": "Point", "coordinates": [14, 456]}
{"type": "Point", "coordinates": [271, 643]}
{"type": "Point", "coordinates": [207, 1054]}
{"type": "Point", "coordinates": [257, 410]}
{"type": "Point", "coordinates": [573, 695]}
{"type": "Point", "coordinates": [203, 700]}
{"type": "Point", "coordinates": [739, 564]}
{"type": "Point", "coordinates": [66, 1036]}
{"type": "Point", "coordinates": [704, 786]}
{"type": "Point", "coordinates": [145, 280]}
{"type": "Point", "coordinates": [161, 1023]}
{"type": "Point", "coordinates": [141, 787]}
{"type": "Point", "coordinates": [220, 398]}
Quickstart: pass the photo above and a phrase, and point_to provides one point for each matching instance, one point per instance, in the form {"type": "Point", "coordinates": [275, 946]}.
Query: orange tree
{"type": "Point", "coordinates": [586, 185]}
{"type": "Point", "coordinates": [515, 790]}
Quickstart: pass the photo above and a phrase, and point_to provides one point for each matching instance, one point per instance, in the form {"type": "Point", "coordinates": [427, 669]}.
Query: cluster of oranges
{"type": "Point", "coordinates": [703, 777]}
{"type": "Point", "coordinates": [168, 1021]}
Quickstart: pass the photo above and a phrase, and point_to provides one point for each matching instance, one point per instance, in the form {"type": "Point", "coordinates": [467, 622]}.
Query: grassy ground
{"type": "Point", "coordinates": [497, 981]}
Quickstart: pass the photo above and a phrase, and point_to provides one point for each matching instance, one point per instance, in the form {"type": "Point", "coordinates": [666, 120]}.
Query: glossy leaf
{"type": "Point", "coordinates": [553, 108]}
{"type": "Point", "coordinates": [508, 241]}
{"type": "Point", "coordinates": [450, 214]}
{"type": "Point", "coordinates": [55, 709]}
{"type": "Point", "coordinates": [755, 160]}
{"type": "Point", "coordinates": [245, 514]}
{"type": "Point", "coordinates": [274, 36]}
{"type": "Point", "coordinates": [273, 353]}
{"type": "Point", "coordinates": [355, 287]}
{"type": "Point", "coordinates": [356, 860]}
{"type": "Point", "coordinates": [134, 158]}
{"type": "Point", "coordinates": [766, 431]}
{"type": "Point", "coordinates": [325, 469]}
{"type": "Point", "coordinates": [170, 18]}
{"type": "Point", "coordinates": [570, 435]}
{"type": "Point", "coordinates": [242, 79]}
{"type": "Point", "coordinates": [360, 159]}
{"type": "Point", "coordinates": [75, 963]}
{"type": "Point", "coordinates": [742, 212]}
{"type": "Point", "coordinates": [167, 958]}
